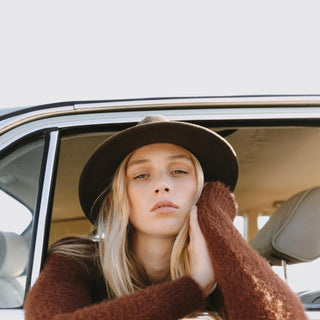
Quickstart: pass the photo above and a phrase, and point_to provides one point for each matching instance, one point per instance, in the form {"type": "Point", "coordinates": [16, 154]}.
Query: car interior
{"type": "Point", "coordinates": [278, 178]}
{"type": "Point", "coordinates": [275, 163]}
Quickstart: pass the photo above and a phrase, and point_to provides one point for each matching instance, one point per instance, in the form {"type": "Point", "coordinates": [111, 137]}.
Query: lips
{"type": "Point", "coordinates": [164, 206]}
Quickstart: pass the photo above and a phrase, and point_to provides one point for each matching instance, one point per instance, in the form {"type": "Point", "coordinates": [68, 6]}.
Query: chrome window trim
{"type": "Point", "coordinates": [240, 113]}
{"type": "Point", "coordinates": [123, 116]}
{"type": "Point", "coordinates": [32, 114]}
{"type": "Point", "coordinates": [40, 227]}
{"type": "Point", "coordinates": [201, 101]}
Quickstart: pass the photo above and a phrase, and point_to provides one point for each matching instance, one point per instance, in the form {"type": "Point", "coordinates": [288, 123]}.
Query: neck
{"type": "Point", "coordinates": [155, 254]}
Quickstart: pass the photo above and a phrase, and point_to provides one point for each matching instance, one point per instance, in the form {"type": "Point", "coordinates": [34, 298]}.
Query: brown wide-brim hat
{"type": "Point", "coordinates": [215, 154]}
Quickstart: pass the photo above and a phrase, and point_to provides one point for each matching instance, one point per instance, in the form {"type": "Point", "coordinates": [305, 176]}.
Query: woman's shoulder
{"type": "Point", "coordinates": [77, 255]}
{"type": "Point", "coordinates": [70, 266]}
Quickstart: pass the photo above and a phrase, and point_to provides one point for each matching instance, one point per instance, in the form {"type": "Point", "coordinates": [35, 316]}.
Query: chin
{"type": "Point", "coordinates": [168, 230]}
{"type": "Point", "coordinates": [167, 235]}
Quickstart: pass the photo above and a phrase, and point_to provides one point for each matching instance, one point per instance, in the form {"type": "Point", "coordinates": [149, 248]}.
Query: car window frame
{"type": "Point", "coordinates": [52, 127]}
{"type": "Point", "coordinates": [40, 226]}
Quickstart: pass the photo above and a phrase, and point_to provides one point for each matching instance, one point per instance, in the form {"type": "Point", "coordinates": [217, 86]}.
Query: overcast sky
{"type": "Point", "coordinates": [78, 50]}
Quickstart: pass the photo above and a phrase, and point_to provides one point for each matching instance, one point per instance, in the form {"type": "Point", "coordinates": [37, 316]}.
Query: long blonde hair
{"type": "Point", "coordinates": [123, 273]}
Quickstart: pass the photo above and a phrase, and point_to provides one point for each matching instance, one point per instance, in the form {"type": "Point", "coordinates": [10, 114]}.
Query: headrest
{"type": "Point", "coordinates": [13, 254]}
{"type": "Point", "coordinates": [292, 233]}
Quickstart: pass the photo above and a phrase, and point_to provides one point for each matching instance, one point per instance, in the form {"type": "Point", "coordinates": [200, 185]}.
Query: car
{"type": "Point", "coordinates": [44, 148]}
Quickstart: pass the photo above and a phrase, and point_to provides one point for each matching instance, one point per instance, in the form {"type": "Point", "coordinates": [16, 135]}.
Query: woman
{"type": "Point", "coordinates": [168, 247]}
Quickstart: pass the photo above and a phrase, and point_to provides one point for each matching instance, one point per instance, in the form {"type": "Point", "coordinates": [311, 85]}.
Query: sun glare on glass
{"type": "Point", "coordinates": [14, 216]}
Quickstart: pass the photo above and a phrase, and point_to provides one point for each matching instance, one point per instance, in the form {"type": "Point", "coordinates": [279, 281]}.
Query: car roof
{"type": "Point", "coordinates": [227, 99]}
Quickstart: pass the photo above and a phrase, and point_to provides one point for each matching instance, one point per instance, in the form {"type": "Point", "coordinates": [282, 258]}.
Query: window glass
{"type": "Point", "coordinates": [19, 218]}
{"type": "Point", "coordinates": [275, 163]}
{"type": "Point", "coordinates": [302, 276]}
{"type": "Point", "coordinates": [239, 223]}
{"type": "Point", "coordinates": [19, 177]}
{"type": "Point", "coordinates": [262, 220]}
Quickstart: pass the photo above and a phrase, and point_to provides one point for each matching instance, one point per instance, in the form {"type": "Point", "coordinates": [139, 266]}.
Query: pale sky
{"type": "Point", "coordinates": [63, 50]}
{"type": "Point", "coordinates": [78, 50]}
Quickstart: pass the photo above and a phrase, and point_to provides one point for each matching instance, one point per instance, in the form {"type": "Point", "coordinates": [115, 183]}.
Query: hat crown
{"type": "Point", "coordinates": [153, 118]}
{"type": "Point", "coordinates": [217, 158]}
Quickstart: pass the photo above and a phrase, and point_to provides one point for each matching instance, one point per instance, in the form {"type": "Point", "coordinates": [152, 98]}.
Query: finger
{"type": "Point", "coordinates": [194, 223]}
{"type": "Point", "coordinates": [194, 219]}
{"type": "Point", "coordinates": [193, 213]}
{"type": "Point", "coordinates": [234, 200]}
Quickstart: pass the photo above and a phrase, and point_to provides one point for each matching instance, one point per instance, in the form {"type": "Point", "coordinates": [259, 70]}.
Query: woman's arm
{"type": "Point", "coordinates": [250, 289]}
{"type": "Point", "coordinates": [63, 292]}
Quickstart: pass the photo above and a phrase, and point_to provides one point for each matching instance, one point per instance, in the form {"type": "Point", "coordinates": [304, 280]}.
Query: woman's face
{"type": "Point", "coordinates": [162, 186]}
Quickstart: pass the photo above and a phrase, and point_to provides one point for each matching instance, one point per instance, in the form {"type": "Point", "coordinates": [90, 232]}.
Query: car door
{"type": "Point", "coordinates": [26, 171]}
{"type": "Point", "coordinates": [61, 141]}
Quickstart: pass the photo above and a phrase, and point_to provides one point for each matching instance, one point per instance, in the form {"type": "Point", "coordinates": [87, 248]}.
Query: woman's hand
{"type": "Point", "coordinates": [200, 263]}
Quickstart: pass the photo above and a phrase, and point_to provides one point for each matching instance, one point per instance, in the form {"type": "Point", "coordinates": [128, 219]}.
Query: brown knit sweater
{"type": "Point", "coordinates": [69, 290]}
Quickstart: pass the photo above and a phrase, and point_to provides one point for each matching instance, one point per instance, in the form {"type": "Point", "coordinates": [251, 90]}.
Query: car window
{"type": "Point", "coordinates": [301, 277]}
{"type": "Point", "coordinates": [275, 163]}
{"type": "Point", "coordinates": [20, 215]}
{"type": "Point", "coordinates": [262, 220]}
{"type": "Point", "coordinates": [19, 177]}
{"type": "Point", "coordinates": [240, 223]}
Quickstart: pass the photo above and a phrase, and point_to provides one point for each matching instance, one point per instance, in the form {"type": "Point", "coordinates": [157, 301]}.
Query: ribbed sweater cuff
{"type": "Point", "coordinates": [188, 294]}
{"type": "Point", "coordinates": [171, 300]}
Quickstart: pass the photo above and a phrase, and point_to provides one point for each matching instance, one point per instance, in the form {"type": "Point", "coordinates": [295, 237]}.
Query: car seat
{"type": "Point", "coordinates": [292, 235]}
{"type": "Point", "coordinates": [13, 261]}
{"type": "Point", "coordinates": [292, 232]}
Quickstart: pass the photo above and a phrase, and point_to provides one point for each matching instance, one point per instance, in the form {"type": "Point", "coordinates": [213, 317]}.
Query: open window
{"type": "Point", "coordinates": [275, 163]}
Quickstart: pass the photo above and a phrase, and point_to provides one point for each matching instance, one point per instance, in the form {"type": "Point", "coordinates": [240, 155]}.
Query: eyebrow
{"type": "Point", "coordinates": [180, 156]}
{"type": "Point", "coordinates": [136, 162]}
{"type": "Point", "coordinates": [141, 161]}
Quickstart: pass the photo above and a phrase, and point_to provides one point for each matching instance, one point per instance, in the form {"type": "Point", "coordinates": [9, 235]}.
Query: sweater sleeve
{"type": "Point", "coordinates": [62, 292]}
{"type": "Point", "coordinates": [250, 288]}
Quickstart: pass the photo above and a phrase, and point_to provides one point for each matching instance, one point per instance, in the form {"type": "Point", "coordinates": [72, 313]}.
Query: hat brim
{"type": "Point", "coordinates": [215, 154]}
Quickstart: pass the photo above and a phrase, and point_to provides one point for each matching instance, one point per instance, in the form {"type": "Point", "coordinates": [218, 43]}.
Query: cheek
{"type": "Point", "coordinates": [137, 196]}
{"type": "Point", "coordinates": [189, 191]}
{"type": "Point", "coordinates": [135, 192]}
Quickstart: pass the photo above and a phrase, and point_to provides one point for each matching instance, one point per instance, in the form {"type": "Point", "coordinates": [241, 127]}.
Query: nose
{"type": "Point", "coordinates": [166, 189]}
{"type": "Point", "coordinates": [162, 186]}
